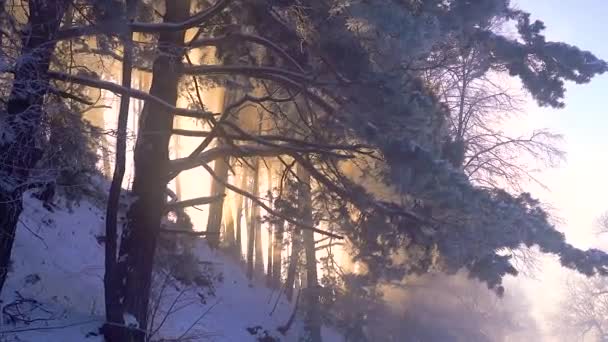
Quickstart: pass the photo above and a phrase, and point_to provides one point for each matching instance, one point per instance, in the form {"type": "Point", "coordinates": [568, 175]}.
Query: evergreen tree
{"type": "Point", "coordinates": [22, 118]}
{"type": "Point", "coordinates": [339, 82]}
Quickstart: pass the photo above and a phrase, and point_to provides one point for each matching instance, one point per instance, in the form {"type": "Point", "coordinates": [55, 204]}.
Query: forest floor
{"type": "Point", "coordinates": [54, 290]}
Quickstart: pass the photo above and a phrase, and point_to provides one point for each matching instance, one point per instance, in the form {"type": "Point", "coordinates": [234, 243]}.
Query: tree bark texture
{"type": "Point", "coordinates": [221, 168]}
{"type": "Point", "coordinates": [277, 251]}
{"type": "Point", "coordinates": [277, 241]}
{"type": "Point", "coordinates": [294, 260]}
{"type": "Point", "coordinates": [151, 157]}
{"type": "Point", "coordinates": [112, 293]}
{"type": "Point", "coordinates": [216, 208]}
{"type": "Point", "coordinates": [256, 221]}
{"type": "Point", "coordinates": [239, 212]}
{"type": "Point", "coordinates": [313, 319]}
{"type": "Point", "coordinates": [250, 226]}
{"type": "Point", "coordinates": [19, 152]}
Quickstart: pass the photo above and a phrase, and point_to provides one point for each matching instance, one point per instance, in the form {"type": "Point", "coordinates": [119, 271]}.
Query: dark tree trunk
{"type": "Point", "coordinates": [239, 213]}
{"type": "Point", "coordinates": [269, 268]}
{"type": "Point", "coordinates": [294, 260]}
{"type": "Point", "coordinates": [273, 273]}
{"type": "Point", "coordinates": [24, 111]}
{"type": "Point", "coordinates": [177, 147]}
{"type": "Point", "coordinates": [277, 249]}
{"type": "Point", "coordinates": [277, 242]}
{"type": "Point", "coordinates": [256, 221]}
{"type": "Point", "coordinates": [216, 208]}
{"type": "Point", "coordinates": [95, 117]}
{"type": "Point", "coordinates": [270, 251]}
{"type": "Point", "coordinates": [221, 168]}
{"type": "Point", "coordinates": [254, 246]}
{"type": "Point", "coordinates": [229, 229]}
{"type": "Point", "coordinates": [250, 242]}
{"type": "Point", "coordinates": [138, 243]}
{"type": "Point", "coordinates": [250, 232]}
{"type": "Point", "coordinates": [114, 316]}
{"type": "Point", "coordinates": [313, 319]}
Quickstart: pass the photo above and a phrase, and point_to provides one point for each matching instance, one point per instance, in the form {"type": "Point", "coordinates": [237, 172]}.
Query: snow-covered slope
{"type": "Point", "coordinates": [56, 282]}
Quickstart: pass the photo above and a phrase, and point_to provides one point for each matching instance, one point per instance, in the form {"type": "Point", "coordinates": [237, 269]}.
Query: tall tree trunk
{"type": "Point", "coordinates": [256, 221]}
{"type": "Point", "coordinates": [277, 241]}
{"type": "Point", "coordinates": [277, 250]}
{"type": "Point", "coordinates": [250, 233]}
{"type": "Point", "coordinates": [313, 321]}
{"type": "Point", "coordinates": [106, 165]}
{"type": "Point", "coordinates": [177, 151]}
{"type": "Point", "coordinates": [229, 227]}
{"type": "Point", "coordinates": [111, 277]}
{"type": "Point", "coordinates": [269, 268]}
{"type": "Point", "coordinates": [221, 168]}
{"type": "Point", "coordinates": [96, 118]}
{"type": "Point", "coordinates": [270, 242]}
{"type": "Point", "coordinates": [294, 260]}
{"type": "Point", "coordinates": [216, 208]}
{"type": "Point", "coordinates": [24, 112]}
{"type": "Point", "coordinates": [239, 212]}
{"type": "Point", "coordinates": [151, 157]}
{"type": "Point", "coordinates": [178, 182]}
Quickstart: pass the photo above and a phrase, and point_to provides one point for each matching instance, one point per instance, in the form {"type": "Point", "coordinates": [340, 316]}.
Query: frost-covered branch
{"type": "Point", "coordinates": [267, 208]}
{"type": "Point", "coordinates": [138, 94]}
{"type": "Point", "coordinates": [113, 27]}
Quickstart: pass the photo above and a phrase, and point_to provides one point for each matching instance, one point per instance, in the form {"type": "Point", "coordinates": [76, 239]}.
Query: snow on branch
{"type": "Point", "coordinates": [263, 205]}
{"type": "Point", "coordinates": [138, 94]}
{"type": "Point", "coordinates": [111, 27]}
{"type": "Point", "coordinates": [192, 202]}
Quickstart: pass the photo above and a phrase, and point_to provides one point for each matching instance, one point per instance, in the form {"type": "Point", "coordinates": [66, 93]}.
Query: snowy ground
{"type": "Point", "coordinates": [56, 283]}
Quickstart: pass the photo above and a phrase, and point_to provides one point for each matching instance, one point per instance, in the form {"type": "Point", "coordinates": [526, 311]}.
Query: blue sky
{"type": "Point", "coordinates": [584, 120]}
{"type": "Point", "coordinates": [578, 189]}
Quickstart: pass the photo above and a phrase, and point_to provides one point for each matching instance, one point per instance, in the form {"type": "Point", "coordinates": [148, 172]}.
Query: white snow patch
{"type": "Point", "coordinates": [130, 320]}
{"type": "Point", "coordinates": [58, 262]}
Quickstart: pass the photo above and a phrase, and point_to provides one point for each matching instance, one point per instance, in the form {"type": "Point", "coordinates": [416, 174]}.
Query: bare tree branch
{"type": "Point", "coordinates": [215, 41]}
{"type": "Point", "coordinates": [192, 202]}
{"type": "Point", "coordinates": [186, 232]}
{"type": "Point", "coordinates": [138, 94]}
{"type": "Point", "coordinates": [267, 208]}
{"type": "Point", "coordinates": [241, 151]}
{"type": "Point", "coordinates": [115, 28]}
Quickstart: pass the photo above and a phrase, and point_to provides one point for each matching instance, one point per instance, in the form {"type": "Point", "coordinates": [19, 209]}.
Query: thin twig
{"type": "Point", "coordinates": [267, 208]}
{"type": "Point", "coordinates": [33, 233]}
{"type": "Point", "coordinates": [198, 319]}
{"type": "Point", "coordinates": [2, 332]}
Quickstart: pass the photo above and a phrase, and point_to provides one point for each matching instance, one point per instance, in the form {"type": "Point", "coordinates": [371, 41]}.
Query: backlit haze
{"type": "Point", "coordinates": [577, 190]}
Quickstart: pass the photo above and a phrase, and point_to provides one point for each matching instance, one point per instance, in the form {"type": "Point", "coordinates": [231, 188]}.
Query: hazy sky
{"type": "Point", "coordinates": [578, 190]}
